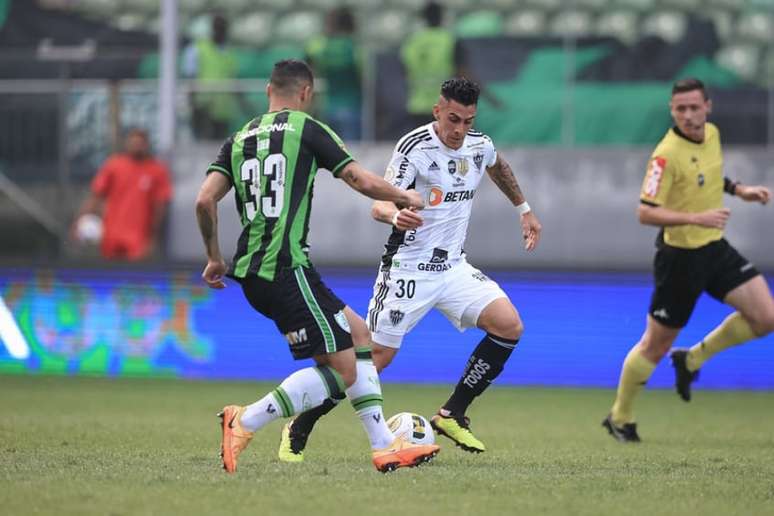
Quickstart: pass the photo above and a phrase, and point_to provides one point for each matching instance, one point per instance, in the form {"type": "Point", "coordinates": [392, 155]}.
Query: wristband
{"type": "Point", "coordinates": [394, 220]}
{"type": "Point", "coordinates": [729, 186]}
{"type": "Point", "coordinates": [523, 208]}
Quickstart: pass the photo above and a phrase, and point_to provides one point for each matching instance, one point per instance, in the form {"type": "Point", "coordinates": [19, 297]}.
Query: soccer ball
{"type": "Point", "coordinates": [88, 229]}
{"type": "Point", "coordinates": [412, 427]}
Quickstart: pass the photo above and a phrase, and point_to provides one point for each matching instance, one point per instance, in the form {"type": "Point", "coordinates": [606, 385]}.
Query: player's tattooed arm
{"type": "Point", "coordinates": [214, 188]}
{"type": "Point", "coordinates": [502, 175]}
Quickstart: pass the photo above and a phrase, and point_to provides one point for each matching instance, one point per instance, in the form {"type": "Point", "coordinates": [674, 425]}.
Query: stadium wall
{"type": "Point", "coordinates": [117, 322]}
{"type": "Point", "coordinates": [585, 198]}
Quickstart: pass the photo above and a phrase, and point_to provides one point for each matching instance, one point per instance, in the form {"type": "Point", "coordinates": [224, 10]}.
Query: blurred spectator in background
{"type": "Point", "coordinates": [428, 58]}
{"type": "Point", "coordinates": [130, 192]}
{"type": "Point", "coordinates": [210, 59]}
{"type": "Point", "coordinates": [334, 57]}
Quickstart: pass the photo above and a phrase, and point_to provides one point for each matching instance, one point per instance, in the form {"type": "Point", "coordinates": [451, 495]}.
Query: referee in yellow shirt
{"type": "Point", "coordinates": [683, 194]}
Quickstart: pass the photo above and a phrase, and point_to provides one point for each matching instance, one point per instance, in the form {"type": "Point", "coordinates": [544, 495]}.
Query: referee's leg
{"type": "Point", "coordinates": [753, 318]}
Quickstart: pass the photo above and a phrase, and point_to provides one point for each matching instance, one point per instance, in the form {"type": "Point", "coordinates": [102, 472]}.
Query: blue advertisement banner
{"type": "Point", "coordinates": [578, 329]}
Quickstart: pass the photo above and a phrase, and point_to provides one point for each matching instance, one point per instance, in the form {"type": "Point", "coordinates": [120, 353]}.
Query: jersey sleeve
{"type": "Point", "coordinates": [401, 171]}
{"type": "Point", "coordinates": [222, 163]}
{"type": "Point", "coordinates": [658, 180]}
{"type": "Point", "coordinates": [490, 153]}
{"type": "Point", "coordinates": [327, 147]}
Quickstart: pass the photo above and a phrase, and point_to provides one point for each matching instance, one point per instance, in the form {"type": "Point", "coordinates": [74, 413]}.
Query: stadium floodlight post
{"type": "Point", "coordinates": [770, 138]}
{"type": "Point", "coordinates": [167, 78]}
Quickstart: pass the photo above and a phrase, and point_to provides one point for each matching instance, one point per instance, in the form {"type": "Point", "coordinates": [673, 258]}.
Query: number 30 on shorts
{"type": "Point", "coordinates": [405, 288]}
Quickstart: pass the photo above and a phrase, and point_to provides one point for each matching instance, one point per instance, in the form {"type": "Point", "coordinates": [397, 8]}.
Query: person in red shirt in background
{"type": "Point", "coordinates": [131, 192]}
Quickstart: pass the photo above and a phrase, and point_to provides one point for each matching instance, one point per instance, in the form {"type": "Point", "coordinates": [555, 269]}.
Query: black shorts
{"type": "Point", "coordinates": [307, 312]}
{"type": "Point", "coordinates": [681, 275]}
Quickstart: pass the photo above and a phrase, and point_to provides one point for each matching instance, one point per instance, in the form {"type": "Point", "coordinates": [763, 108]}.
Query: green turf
{"type": "Point", "coordinates": [97, 446]}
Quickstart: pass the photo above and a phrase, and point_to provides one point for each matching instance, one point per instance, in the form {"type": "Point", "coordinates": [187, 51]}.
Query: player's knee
{"type": "Point", "coordinates": [382, 357]}
{"type": "Point", "coordinates": [359, 331]}
{"type": "Point", "coordinates": [764, 324]}
{"type": "Point", "coordinates": [348, 376]}
{"type": "Point", "coordinates": [654, 349]}
{"type": "Point", "coordinates": [512, 329]}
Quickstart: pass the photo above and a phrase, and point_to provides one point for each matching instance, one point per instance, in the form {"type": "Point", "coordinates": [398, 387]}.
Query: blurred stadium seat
{"type": "Point", "coordinates": [767, 69]}
{"type": "Point", "coordinates": [253, 29]}
{"type": "Point", "coordinates": [755, 27]}
{"type": "Point", "coordinates": [389, 27]}
{"type": "Point", "coordinates": [571, 23]}
{"type": "Point", "coordinates": [621, 24]}
{"type": "Point", "coordinates": [478, 24]}
{"type": "Point", "coordinates": [740, 58]}
{"type": "Point", "coordinates": [298, 26]}
{"type": "Point", "coordinates": [668, 25]}
{"type": "Point", "coordinates": [639, 5]}
{"type": "Point", "coordinates": [685, 5]}
{"type": "Point", "coordinates": [526, 23]}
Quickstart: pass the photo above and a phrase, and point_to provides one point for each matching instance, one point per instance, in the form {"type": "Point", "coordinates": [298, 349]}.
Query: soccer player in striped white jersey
{"type": "Point", "coordinates": [424, 264]}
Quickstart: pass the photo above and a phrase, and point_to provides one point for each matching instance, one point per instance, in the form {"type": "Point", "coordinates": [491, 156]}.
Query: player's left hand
{"type": "Point", "coordinates": [749, 193]}
{"type": "Point", "coordinates": [214, 273]}
{"type": "Point", "coordinates": [530, 230]}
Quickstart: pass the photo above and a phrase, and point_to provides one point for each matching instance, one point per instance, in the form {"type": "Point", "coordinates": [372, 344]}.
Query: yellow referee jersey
{"type": "Point", "coordinates": [688, 177]}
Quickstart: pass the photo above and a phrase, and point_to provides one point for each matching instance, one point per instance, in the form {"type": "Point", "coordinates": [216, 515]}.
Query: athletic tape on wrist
{"type": "Point", "coordinates": [394, 220]}
{"type": "Point", "coordinates": [523, 208]}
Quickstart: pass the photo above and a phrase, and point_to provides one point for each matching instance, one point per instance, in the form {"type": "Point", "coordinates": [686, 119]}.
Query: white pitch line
{"type": "Point", "coordinates": [11, 335]}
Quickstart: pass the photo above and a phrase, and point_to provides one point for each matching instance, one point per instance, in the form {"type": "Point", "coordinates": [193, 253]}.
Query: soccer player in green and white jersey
{"type": "Point", "coordinates": [271, 163]}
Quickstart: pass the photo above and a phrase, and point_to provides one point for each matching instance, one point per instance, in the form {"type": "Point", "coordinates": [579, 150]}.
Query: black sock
{"type": "Point", "coordinates": [304, 422]}
{"type": "Point", "coordinates": [484, 365]}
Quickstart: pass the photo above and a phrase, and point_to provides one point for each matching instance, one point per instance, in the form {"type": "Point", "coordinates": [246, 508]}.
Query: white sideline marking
{"type": "Point", "coordinates": [11, 335]}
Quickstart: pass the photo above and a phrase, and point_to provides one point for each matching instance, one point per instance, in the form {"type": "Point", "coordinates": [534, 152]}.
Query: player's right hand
{"type": "Point", "coordinates": [713, 218]}
{"type": "Point", "coordinates": [412, 199]}
{"type": "Point", "coordinates": [214, 273]}
{"type": "Point", "coordinates": [408, 220]}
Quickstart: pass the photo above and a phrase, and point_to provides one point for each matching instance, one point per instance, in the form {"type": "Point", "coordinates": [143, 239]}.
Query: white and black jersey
{"type": "Point", "coordinates": [447, 179]}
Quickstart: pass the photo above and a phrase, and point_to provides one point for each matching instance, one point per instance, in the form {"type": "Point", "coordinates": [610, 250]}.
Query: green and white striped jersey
{"type": "Point", "coordinates": [271, 163]}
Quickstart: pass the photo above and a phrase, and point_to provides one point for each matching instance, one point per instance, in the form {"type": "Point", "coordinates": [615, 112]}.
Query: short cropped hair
{"type": "Point", "coordinates": [137, 131]}
{"type": "Point", "coordinates": [690, 84]}
{"type": "Point", "coordinates": [461, 90]}
{"type": "Point", "coordinates": [290, 75]}
{"type": "Point", "coordinates": [433, 14]}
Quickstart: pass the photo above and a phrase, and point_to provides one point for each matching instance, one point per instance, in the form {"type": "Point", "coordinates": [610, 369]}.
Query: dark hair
{"type": "Point", "coordinates": [461, 90]}
{"type": "Point", "coordinates": [343, 20]}
{"type": "Point", "coordinates": [137, 131]}
{"type": "Point", "coordinates": [290, 75]}
{"type": "Point", "coordinates": [433, 14]}
{"type": "Point", "coordinates": [689, 84]}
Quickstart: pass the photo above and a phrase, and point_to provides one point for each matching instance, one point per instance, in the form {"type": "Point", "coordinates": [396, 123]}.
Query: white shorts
{"type": "Point", "coordinates": [401, 298]}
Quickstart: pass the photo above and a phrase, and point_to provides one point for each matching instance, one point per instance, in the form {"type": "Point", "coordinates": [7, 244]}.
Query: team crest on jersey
{"type": "Point", "coordinates": [396, 316]}
{"type": "Point", "coordinates": [478, 159]}
{"type": "Point", "coordinates": [452, 167]}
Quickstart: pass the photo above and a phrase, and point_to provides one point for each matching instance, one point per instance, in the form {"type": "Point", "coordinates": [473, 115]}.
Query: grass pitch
{"type": "Point", "coordinates": [100, 446]}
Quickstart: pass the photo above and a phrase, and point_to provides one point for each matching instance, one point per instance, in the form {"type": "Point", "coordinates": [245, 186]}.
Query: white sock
{"type": "Point", "coordinates": [302, 390]}
{"type": "Point", "coordinates": [366, 398]}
